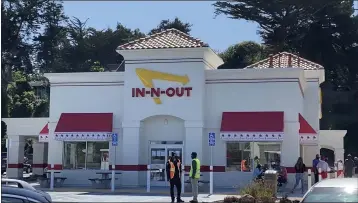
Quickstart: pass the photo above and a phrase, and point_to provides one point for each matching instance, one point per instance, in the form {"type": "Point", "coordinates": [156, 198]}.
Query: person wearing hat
{"type": "Point", "coordinates": [174, 173]}
{"type": "Point", "coordinates": [194, 175]}
{"type": "Point", "coordinates": [348, 167]}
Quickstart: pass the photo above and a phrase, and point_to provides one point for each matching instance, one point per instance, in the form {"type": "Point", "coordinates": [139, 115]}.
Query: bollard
{"type": "Point", "coordinates": [113, 177]}
{"type": "Point", "coordinates": [335, 172]}
{"type": "Point", "coordinates": [319, 174]}
{"type": "Point", "coordinates": [211, 180]}
{"type": "Point", "coordinates": [52, 177]}
{"type": "Point", "coordinates": [148, 178]}
{"type": "Point", "coordinates": [182, 179]}
{"type": "Point", "coordinates": [309, 178]}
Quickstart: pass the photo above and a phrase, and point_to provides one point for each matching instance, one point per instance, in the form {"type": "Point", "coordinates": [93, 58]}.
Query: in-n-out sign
{"type": "Point", "coordinates": [147, 77]}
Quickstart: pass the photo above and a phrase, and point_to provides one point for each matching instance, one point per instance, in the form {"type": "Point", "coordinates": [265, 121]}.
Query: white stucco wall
{"type": "Point", "coordinates": [189, 119]}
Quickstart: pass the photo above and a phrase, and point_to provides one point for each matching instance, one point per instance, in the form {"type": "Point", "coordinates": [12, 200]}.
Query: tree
{"type": "Point", "coordinates": [21, 20]}
{"type": "Point", "coordinates": [242, 55]}
{"type": "Point", "coordinates": [323, 31]}
{"type": "Point", "coordinates": [168, 24]}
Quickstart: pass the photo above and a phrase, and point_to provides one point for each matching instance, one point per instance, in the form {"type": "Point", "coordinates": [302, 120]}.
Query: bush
{"type": "Point", "coordinates": [261, 192]}
{"type": "Point", "coordinates": [231, 199]}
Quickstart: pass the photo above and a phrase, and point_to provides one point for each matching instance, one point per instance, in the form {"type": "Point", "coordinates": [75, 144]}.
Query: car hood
{"type": "Point", "coordinates": [45, 194]}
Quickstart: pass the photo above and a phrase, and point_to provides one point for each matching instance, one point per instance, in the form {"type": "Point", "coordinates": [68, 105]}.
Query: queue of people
{"type": "Point", "coordinates": [174, 172]}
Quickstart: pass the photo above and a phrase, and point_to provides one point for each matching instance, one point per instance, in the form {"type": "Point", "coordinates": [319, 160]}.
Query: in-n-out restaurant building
{"type": "Point", "coordinates": [170, 96]}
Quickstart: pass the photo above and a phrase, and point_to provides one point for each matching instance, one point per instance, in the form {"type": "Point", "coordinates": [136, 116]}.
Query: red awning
{"type": "Point", "coordinates": [307, 133]}
{"type": "Point", "coordinates": [84, 126]}
{"type": "Point", "coordinates": [43, 135]}
{"type": "Point", "coordinates": [258, 126]}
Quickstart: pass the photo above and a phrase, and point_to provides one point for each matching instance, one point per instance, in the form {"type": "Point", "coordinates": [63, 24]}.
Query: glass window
{"type": "Point", "coordinates": [86, 155]}
{"type": "Point", "coordinates": [240, 155]}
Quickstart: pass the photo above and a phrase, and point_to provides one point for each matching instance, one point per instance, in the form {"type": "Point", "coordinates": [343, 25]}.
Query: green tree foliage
{"type": "Point", "coordinates": [242, 55]}
{"type": "Point", "coordinates": [22, 99]}
{"type": "Point", "coordinates": [323, 31]}
{"type": "Point", "coordinates": [168, 24]}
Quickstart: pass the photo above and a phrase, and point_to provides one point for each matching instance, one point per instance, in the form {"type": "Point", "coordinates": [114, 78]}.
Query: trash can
{"type": "Point", "coordinates": [271, 180]}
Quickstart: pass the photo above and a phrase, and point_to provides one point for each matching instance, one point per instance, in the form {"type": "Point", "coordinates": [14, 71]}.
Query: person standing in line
{"type": "Point", "coordinates": [356, 166]}
{"type": "Point", "coordinates": [315, 169]}
{"type": "Point", "coordinates": [256, 161]}
{"type": "Point", "coordinates": [348, 167]}
{"type": "Point", "coordinates": [323, 165]}
{"type": "Point", "coordinates": [194, 175]}
{"type": "Point", "coordinates": [340, 169]}
{"type": "Point", "coordinates": [300, 169]}
{"type": "Point", "coordinates": [174, 173]}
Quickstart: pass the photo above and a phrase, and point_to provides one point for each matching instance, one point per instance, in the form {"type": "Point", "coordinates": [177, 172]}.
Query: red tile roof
{"type": "Point", "coordinates": [252, 122]}
{"type": "Point", "coordinates": [171, 38]}
{"type": "Point", "coordinates": [286, 60]}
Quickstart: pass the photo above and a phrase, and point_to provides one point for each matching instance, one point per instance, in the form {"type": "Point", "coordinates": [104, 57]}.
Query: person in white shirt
{"type": "Point", "coordinates": [323, 165]}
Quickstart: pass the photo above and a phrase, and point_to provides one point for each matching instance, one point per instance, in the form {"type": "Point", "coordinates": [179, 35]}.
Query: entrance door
{"type": "Point", "coordinates": [159, 155]}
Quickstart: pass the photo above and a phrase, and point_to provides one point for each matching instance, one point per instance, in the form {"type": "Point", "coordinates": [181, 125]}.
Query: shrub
{"type": "Point", "coordinates": [231, 199]}
{"type": "Point", "coordinates": [261, 192]}
{"type": "Point", "coordinates": [247, 199]}
{"type": "Point", "coordinates": [285, 200]}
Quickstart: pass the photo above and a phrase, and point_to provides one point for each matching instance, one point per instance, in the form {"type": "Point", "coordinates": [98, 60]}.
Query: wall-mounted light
{"type": "Point", "coordinates": [165, 121]}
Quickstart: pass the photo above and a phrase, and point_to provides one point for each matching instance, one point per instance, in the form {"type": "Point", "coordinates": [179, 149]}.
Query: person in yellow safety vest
{"type": "Point", "coordinates": [194, 175]}
{"type": "Point", "coordinates": [174, 172]}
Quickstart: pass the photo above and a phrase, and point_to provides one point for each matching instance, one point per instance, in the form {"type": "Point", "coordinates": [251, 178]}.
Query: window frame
{"type": "Point", "coordinates": [81, 141]}
{"type": "Point", "coordinates": [251, 152]}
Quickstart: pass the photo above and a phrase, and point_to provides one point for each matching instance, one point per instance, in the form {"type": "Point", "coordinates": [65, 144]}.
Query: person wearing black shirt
{"type": "Point", "coordinates": [348, 167]}
{"type": "Point", "coordinates": [174, 172]}
{"type": "Point", "coordinates": [300, 169]}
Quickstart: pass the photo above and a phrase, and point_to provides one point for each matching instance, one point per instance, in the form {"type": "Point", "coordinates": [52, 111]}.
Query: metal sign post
{"type": "Point", "coordinates": [211, 145]}
{"type": "Point", "coordinates": [114, 144]}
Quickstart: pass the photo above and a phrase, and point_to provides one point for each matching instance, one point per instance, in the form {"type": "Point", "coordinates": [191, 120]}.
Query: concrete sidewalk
{"type": "Point", "coordinates": [70, 194]}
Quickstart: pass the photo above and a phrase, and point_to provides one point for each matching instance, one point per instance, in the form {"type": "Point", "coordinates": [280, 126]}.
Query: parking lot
{"type": "Point", "coordinates": [25, 175]}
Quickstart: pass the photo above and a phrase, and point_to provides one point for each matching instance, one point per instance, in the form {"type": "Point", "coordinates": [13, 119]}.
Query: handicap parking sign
{"type": "Point", "coordinates": [114, 139]}
{"type": "Point", "coordinates": [211, 139]}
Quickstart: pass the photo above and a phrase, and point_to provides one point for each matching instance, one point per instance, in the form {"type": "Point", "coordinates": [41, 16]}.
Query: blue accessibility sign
{"type": "Point", "coordinates": [114, 139]}
{"type": "Point", "coordinates": [211, 139]}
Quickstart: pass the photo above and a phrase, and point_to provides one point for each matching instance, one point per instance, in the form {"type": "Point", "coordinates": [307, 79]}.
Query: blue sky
{"type": "Point", "coordinates": [219, 32]}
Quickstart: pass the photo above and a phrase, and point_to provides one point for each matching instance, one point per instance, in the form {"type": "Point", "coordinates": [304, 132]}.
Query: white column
{"type": "Point", "coordinates": [339, 154]}
{"type": "Point", "coordinates": [15, 156]}
{"type": "Point", "coordinates": [291, 142]}
{"type": "Point", "coordinates": [55, 148]}
{"type": "Point", "coordinates": [193, 140]}
{"type": "Point", "coordinates": [130, 152]}
{"type": "Point", "coordinates": [38, 157]}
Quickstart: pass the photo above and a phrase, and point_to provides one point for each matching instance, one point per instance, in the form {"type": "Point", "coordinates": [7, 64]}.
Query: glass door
{"type": "Point", "coordinates": [159, 155]}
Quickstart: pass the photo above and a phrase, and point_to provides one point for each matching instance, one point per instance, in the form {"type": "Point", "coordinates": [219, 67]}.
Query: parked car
{"type": "Point", "coordinates": [333, 190]}
{"type": "Point", "coordinates": [12, 194]}
{"type": "Point", "coordinates": [20, 184]}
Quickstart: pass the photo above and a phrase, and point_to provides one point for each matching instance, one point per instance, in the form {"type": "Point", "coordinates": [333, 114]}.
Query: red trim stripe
{"type": "Point", "coordinates": [44, 165]}
{"type": "Point", "coordinates": [55, 167]}
{"type": "Point", "coordinates": [18, 165]}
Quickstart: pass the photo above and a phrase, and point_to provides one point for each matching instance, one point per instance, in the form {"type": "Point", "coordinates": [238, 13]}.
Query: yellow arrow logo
{"type": "Point", "coordinates": [147, 77]}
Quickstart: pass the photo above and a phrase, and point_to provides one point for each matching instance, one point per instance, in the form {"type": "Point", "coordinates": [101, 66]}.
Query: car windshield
{"type": "Point", "coordinates": [332, 194]}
